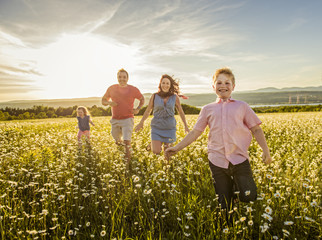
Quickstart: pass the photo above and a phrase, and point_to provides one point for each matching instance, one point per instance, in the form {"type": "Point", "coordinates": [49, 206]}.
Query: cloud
{"type": "Point", "coordinates": [164, 28]}
{"type": "Point", "coordinates": [41, 22]}
{"type": "Point", "coordinates": [22, 70]}
{"type": "Point", "coordinates": [295, 24]}
{"type": "Point", "coordinates": [14, 80]}
{"type": "Point", "coordinates": [7, 39]}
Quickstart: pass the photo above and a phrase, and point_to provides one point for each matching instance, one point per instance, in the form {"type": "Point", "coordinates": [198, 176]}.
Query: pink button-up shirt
{"type": "Point", "coordinates": [229, 130]}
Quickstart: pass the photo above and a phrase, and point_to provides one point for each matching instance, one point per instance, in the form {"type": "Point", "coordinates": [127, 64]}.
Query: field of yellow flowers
{"type": "Point", "coordinates": [51, 189]}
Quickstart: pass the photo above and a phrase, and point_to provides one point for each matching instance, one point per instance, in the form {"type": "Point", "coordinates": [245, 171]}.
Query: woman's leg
{"type": "Point", "coordinates": [165, 146]}
{"type": "Point", "coordinates": [156, 146]}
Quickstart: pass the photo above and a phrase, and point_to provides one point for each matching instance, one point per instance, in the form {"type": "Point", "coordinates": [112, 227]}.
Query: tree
{"type": "Point", "coordinates": [41, 115]}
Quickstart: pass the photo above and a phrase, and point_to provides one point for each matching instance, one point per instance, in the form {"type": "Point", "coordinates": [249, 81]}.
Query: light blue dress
{"type": "Point", "coordinates": [163, 124]}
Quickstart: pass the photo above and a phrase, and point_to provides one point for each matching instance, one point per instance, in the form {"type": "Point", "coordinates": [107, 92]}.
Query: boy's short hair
{"type": "Point", "coordinates": [224, 70]}
{"type": "Point", "coordinates": [123, 70]}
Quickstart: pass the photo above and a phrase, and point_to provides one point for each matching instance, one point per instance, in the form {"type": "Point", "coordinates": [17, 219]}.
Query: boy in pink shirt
{"type": "Point", "coordinates": [122, 96]}
{"type": "Point", "coordinates": [231, 125]}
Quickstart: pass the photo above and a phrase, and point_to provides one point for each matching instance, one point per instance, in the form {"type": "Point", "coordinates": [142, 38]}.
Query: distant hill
{"type": "Point", "coordinates": [291, 89]}
{"type": "Point", "coordinates": [264, 96]}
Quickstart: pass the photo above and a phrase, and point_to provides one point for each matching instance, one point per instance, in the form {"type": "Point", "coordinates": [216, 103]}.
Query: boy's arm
{"type": "Point", "coordinates": [191, 137]}
{"type": "Point", "coordinates": [182, 115]}
{"type": "Point", "coordinates": [91, 122]}
{"type": "Point", "coordinates": [137, 110]}
{"type": "Point", "coordinates": [258, 133]}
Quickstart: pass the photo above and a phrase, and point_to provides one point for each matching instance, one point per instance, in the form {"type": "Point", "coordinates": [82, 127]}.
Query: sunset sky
{"type": "Point", "coordinates": [73, 48]}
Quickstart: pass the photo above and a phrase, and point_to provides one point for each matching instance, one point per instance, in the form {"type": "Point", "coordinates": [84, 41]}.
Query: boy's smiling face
{"type": "Point", "coordinates": [223, 86]}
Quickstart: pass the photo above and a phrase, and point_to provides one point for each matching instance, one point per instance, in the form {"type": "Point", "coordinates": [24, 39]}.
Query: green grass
{"type": "Point", "coordinates": [49, 189]}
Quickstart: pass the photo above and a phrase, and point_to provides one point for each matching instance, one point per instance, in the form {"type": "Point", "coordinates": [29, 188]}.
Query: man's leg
{"type": "Point", "coordinates": [128, 150]}
{"type": "Point", "coordinates": [243, 178]}
{"type": "Point", "coordinates": [116, 131]}
{"type": "Point", "coordinates": [127, 129]}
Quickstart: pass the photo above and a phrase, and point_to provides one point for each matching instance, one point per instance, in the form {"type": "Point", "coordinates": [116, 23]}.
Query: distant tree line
{"type": "Point", "coordinates": [290, 108]}
{"type": "Point", "coordinates": [41, 112]}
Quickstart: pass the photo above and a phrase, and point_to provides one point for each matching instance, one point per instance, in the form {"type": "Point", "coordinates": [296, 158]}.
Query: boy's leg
{"type": "Point", "coordinates": [243, 178]}
{"type": "Point", "coordinates": [223, 184]}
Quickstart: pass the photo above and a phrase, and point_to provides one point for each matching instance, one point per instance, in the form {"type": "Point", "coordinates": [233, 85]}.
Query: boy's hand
{"type": "Point", "coordinates": [187, 130]}
{"type": "Point", "coordinates": [170, 151]}
{"type": "Point", "coordinates": [267, 159]}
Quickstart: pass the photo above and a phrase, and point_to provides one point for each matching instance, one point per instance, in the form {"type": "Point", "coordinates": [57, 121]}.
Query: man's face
{"type": "Point", "coordinates": [122, 79]}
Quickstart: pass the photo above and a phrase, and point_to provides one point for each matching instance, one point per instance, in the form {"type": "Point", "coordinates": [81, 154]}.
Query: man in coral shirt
{"type": "Point", "coordinates": [231, 125]}
{"type": "Point", "coordinates": [122, 96]}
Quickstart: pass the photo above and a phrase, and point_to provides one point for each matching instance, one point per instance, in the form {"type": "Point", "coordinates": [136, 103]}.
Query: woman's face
{"type": "Point", "coordinates": [165, 85]}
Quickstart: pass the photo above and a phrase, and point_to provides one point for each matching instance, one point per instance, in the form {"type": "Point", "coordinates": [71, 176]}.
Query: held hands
{"type": "Point", "coordinates": [170, 152]}
{"type": "Point", "coordinates": [186, 129]}
{"type": "Point", "coordinates": [266, 157]}
{"type": "Point", "coordinates": [138, 127]}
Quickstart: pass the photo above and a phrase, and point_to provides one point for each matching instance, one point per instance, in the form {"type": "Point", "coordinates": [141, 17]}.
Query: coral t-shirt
{"type": "Point", "coordinates": [124, 97]}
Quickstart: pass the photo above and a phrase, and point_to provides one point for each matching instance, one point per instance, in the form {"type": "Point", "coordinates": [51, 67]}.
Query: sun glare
{"type": "Point", "coordinates": [82, 65]}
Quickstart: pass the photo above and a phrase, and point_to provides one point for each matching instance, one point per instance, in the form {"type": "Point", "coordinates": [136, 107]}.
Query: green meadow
{"type": "Point", "coordinates": [51, 189]}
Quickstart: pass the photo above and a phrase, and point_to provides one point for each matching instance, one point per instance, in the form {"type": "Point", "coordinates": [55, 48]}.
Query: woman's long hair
{"type": "Point", "coordinates": [174, 87]}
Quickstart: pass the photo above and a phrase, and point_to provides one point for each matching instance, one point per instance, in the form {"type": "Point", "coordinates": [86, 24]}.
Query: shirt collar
{"type": "Point", "coordinates": [219, 100]}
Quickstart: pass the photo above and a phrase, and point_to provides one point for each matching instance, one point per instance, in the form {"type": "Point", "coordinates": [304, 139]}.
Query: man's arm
{"type": "Point", "coordinates": [106, 102]}
{"type": "Point", "coordinates": [141, 103]}
{"type": "Point", "coordinates": [258, 133]}
{"type": "Point", "coordinates": [190, 138]}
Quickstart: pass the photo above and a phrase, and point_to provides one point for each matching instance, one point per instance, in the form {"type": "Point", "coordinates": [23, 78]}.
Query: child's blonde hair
{"type": "Point", "coordinates": [84, 109]}
{"type": "Point", "coordinates": [224, 70]}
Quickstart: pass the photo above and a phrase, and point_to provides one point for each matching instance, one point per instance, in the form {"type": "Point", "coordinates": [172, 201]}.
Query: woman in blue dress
{"type": "Point", "coordinates": [163, 124]}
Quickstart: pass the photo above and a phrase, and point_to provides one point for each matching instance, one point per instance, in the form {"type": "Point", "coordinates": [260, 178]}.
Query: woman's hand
{"type": "Point", "coordinates": [138, 127]}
